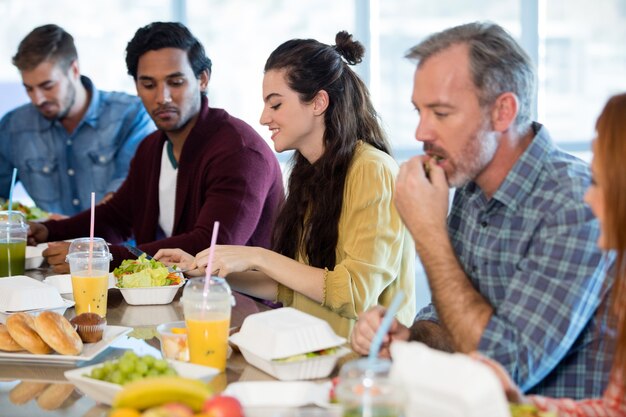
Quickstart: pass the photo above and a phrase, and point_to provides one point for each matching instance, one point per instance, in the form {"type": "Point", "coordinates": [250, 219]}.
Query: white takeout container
{"type": "Point", "coordinates": [150, 295]}
{"type": "Point", "coordinates": [21, 293]}
{"type": "Point", "coordinates": [280, 393]}
{"type": "Point", "coordinates": [445, 384]}
{"type": "Point", "coordinates": [63, 284]}
{"type": "Point", "coordinates": [34, 257]}
{"type": "Point", "coordinates": [285, 332]}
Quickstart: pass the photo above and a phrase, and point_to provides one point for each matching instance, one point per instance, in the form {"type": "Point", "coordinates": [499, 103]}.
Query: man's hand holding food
{"type": "Point", "coordinates": [421, 198]}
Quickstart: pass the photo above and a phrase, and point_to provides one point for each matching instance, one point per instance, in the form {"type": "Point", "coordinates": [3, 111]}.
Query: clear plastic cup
{"type": "Point", "coordinates": [13, 233]}
{"type": "Point", "coordinates": [365, 389]}
{"type": "Point", "coordinates": [207, 316]}
{"type": "Point", "coordinates": [173, 338]}
{"type": "Point", "coordinates": [90, 283]}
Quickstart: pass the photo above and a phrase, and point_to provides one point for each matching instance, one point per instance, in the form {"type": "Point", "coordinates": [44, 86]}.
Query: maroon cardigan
{"type": "Point", "coordinates": [226, 172]}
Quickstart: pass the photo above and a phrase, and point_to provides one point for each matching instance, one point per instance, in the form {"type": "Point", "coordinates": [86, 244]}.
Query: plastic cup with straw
{"type": "Point", "coordinates": [207, 308]}
{"type": "Point", "coordinates": [89, 260]}
{"type": "Point", "coordinates": [364, 386]}
{"type": "Point", "coordinates": [13, 234]}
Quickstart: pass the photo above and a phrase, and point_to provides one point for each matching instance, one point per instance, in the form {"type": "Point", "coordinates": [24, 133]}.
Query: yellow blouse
{"type": "Point", "coordinates": [375, 253]}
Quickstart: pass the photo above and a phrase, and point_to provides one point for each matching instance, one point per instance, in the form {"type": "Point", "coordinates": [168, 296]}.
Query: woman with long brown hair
{"type": "Point", "coordinates": [607, 198]}
{"type": "Point", "coordinates": [339, 244]}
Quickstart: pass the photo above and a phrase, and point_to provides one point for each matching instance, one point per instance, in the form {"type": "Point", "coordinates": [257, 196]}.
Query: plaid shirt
{"type": "Point", "coordinates": [531, 252]}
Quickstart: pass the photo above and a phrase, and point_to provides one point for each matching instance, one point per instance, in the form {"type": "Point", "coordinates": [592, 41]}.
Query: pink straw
{"type": "Point", "coordinates": [91, 228]}
{"type": "Point", "coordinates": [209, 265]}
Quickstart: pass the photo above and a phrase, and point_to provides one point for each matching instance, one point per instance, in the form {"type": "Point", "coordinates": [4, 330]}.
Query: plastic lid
{"type": "Point", "coordinates": [79, 248]}
{"type": "Point", "coordinates": [22, 293]}
{"type": "Point", "coordinates": [12, 219]}
{"type": "Point", "coordinates": [285, 332]}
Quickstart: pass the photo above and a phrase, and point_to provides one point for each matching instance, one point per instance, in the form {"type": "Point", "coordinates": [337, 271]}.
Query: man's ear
{"type": "Point", "coordinates": [74, 70]}
{"type": "Point", "coordinates": [204, 80]}
{"type": "Point", "coordinates": [320, 102]}
{"type": "Point", "coordinates": [504, 111]}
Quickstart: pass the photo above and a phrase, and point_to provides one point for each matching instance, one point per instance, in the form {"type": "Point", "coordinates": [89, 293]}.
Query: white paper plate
{"type": "Point", "coordinates": [90, 350]}
{"type": "Point", "coordinates": [280, 393]}
{"type": "Point", "coordinates": [104, 392]}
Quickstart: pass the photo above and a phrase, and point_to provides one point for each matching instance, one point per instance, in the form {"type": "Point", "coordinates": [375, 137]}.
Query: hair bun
{"type": "Point", "coordinates": [352, 51]}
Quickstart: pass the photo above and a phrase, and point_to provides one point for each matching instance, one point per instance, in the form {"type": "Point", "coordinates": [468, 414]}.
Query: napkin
{"type": "Point", "coordinates": [443, 384]}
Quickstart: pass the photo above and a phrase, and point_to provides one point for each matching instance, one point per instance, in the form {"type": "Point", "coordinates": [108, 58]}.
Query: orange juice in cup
{"type": "Point", "coordinates": [89, 267]}
{"type": "Point", "coordinates": [207, 315]}
{"type": "Point", "coordinates": [90, 292]}
{"type": "Point", "coordinates": [208, 340]}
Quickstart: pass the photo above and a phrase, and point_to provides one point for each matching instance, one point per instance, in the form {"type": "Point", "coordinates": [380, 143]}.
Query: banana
{"type": "Point", "coordinates": [152, 392]}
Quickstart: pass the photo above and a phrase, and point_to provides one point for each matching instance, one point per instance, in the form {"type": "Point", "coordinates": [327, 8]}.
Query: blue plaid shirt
{"type": "Point", "coordinates": [59, 170]}
{"type": "Point", "coordinates": [531, 252]}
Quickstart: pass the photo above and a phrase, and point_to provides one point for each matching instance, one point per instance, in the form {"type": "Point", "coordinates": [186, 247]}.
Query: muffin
{"type": "Point", "coordinates": [89, 326]}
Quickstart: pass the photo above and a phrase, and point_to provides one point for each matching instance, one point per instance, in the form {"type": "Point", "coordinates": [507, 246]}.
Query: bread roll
{"type": "Point", "coordinates": [57, 332]}
{"type": "Point", "coordinates": [54, 396]}
{"type": "Point", "coordinates": [26, 391]}
{"type": "Point", "coordinates": [7, 343]}
{"type": "Point", "coordinates": [21, 326]}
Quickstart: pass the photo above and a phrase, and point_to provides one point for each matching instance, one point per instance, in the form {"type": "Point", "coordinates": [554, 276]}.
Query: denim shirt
{"type": "Point", "coordinates": [59, 170]}
{"type": "Point", "coordinates": [531, 252]}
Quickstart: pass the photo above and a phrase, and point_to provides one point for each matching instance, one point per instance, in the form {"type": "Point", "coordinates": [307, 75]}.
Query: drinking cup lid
{"type": "Point", "coordinates": [80, 248]}
{"type": "Point", "coordinates": [12, 218]}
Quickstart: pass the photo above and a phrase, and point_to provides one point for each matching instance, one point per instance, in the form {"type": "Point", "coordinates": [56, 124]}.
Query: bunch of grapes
{"type": "Point", "coordinates": [130, 367]}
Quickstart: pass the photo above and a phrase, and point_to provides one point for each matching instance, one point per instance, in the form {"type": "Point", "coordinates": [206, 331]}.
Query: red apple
{"type": "Point", "coordinates": [222, 406]}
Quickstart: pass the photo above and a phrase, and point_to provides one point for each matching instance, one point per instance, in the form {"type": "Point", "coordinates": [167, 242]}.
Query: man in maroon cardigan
{"type": "Point", "coordinates": [202, 165]}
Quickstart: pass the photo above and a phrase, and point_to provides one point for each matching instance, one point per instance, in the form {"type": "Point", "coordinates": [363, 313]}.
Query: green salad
{"type": "Point", "coordinates": [301, 356]}
{"type": "Point", "coordinates": [31, 213]}
{"type": "Point", "coordinates": [142, 272]}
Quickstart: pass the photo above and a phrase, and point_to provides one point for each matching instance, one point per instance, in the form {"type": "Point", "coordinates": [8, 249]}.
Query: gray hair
{"type": "Point", "coordinates": [497, 62]}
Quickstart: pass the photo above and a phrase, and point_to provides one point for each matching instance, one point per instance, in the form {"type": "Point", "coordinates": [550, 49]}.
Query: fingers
{"type": "Point", "coordinates": [168, 255]}
{"type": "Point", "coordinates": [365, 329]}
{"type": "Point", "coordinates": [55, 255]}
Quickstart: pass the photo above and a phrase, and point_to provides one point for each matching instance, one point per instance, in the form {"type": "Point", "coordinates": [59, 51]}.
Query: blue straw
{"type": "Point", "coordinates": [11, 190]}
{"type": "Point", "coordinates": [384, 326]}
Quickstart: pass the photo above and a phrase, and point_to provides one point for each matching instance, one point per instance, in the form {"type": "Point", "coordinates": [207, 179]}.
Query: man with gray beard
{"type": "Point", "coordinates": [72, 138]}
{"type": "Point", "coordinates": [514, 270]}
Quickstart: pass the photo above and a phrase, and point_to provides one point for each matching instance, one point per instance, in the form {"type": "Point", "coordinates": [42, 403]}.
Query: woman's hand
{"type": "Point", "coordinates": [512, 391]}
{"type": "Point", "coordinates": [228, 259]}
{"type": "Point", "coordinates": [176, 257]}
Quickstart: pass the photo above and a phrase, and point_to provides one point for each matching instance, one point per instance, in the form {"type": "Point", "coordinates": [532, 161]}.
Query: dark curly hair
{"type": "Point", "coordinates": [159, 35]}
{"type": "Point", "coordinates": [310, 214]}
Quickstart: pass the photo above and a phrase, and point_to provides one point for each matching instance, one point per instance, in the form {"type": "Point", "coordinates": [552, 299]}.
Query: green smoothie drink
{"type": "Point", "coordinates": [13, 231]}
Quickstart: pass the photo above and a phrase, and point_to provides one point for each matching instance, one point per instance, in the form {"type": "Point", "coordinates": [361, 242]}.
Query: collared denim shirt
{"type": "Point", "coordinates": [59, 170]}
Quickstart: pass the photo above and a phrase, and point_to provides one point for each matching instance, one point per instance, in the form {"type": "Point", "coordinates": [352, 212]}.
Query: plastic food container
{"type": "Point", "coordinates": [21, 293]}
{"type": "Point", "coordinates": [150, 295]}
{"type": "Point", "coordinates": [173, 344]}
{"type": "Point", "coordinates": [266, 339]}
{"type": "Point", "coordinates": [34, 257]}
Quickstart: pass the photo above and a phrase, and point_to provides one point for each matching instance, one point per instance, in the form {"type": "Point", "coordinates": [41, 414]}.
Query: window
{"type": "Point", "coordinates": [403, 25]}
{"type": "Point", "coordinates": [583, 63]}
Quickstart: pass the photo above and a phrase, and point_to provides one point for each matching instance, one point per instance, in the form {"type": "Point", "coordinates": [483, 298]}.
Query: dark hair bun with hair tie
{"type": "Point", "coordinates": [352, 51]}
